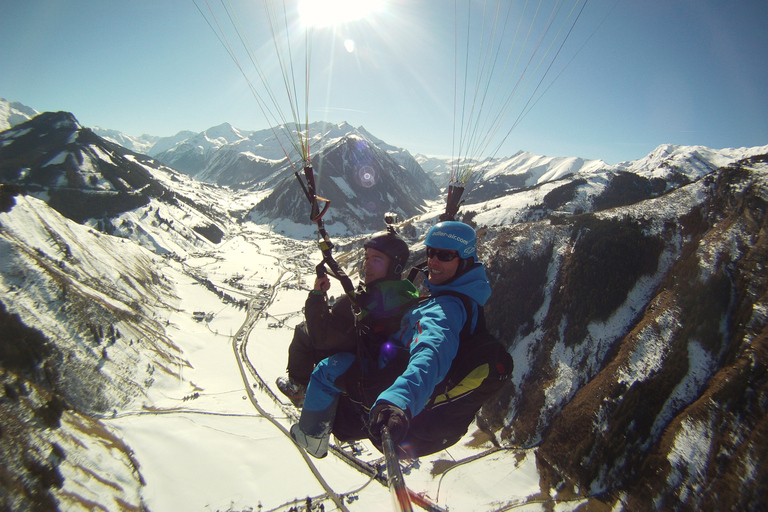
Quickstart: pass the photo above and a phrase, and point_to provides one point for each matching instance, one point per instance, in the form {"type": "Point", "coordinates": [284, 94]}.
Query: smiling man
{"type": "Point", "coordinates": [431, 333]}
{"type": "Point", "coordinates": [331, 329]}
{"type": "Point", "coordinates": [392, 384]}
{"type": "Point", "coordinates": [441, 265]}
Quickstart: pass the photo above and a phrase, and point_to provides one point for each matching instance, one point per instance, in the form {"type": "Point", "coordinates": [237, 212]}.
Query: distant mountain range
{"type": "Point", "coordinates": [347, 162]}
{"type": "Point", "coordinates": [87, 176]}
{"type": "Point", "coordinates": [248, 160]}
{"type": "Point", "coordinates": [631, 297]}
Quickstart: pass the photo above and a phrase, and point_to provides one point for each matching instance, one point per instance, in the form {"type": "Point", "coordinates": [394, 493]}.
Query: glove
{"type": "Point", "coordinates": [393, 417]}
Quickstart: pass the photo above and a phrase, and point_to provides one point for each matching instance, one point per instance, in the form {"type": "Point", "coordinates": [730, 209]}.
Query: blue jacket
{"type": "Point", "coordinates": [430, 332]}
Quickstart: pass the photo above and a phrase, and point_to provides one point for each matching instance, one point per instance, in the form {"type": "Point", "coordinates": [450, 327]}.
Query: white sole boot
{"type": "Point", "coordinates": [315, 446]}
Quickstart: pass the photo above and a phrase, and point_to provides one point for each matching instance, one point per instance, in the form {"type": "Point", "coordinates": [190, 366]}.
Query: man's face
{"type": "Point", "coordinates": [375, 265]}
{"type": "Point", "coordinates": [440, 270]}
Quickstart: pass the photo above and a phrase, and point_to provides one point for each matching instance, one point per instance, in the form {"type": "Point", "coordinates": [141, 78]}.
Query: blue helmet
{"type": "Point", "coordinates": [453, 236]}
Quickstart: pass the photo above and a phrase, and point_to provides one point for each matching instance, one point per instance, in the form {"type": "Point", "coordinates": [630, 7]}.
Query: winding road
{"type": "Point", "coordinates": [252, 380]}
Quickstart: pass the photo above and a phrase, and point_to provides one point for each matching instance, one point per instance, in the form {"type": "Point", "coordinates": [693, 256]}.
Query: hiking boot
{"type": "Point", "coordinates": [313, 431]}
{"type": "Point", "coordinates": [293, 390]}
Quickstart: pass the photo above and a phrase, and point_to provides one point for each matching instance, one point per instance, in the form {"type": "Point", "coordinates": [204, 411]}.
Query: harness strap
{"type": "Point", "coordinates": [466, 330]}
{"type": "Point", "coordinates": [326, 246]}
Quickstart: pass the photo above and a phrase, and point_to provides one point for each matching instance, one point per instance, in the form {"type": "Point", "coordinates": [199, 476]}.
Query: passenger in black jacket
{"type": "Point", "coordinates": [330, 330]}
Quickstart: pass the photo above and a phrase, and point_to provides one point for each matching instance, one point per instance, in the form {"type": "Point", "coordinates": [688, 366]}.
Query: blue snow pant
{"type": "Point", "coordinates": [339, 386]}
{"type": "Point", "coordinates": [320, 402]}
{"type": "Point", "coordinates": [336, 391]}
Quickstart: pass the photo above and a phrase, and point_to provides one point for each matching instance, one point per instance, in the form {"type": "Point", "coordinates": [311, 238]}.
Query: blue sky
{"type": "Point", "coordinates": [638, 74]}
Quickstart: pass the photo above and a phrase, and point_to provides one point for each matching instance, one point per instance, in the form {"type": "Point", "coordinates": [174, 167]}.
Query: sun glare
{"type": "Point", "coordinates": [322, 13]}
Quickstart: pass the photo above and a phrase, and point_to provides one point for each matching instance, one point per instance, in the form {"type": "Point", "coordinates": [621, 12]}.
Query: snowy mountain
{"type": "Point", "coordinates": [165, 143]}
{"type": "Point", "coordinates": [598, 187]}
{"type": "Point", "coordinates": [80, 340]}
{"type": "Point", "coordinates": [501, 175]}
{"type": "Point", "coordinates": [13, 113]}
{"type": "Point", "coordinates": [635, 342]}
{"type": "Point", "coordinates": [190, 155]}
{"type": "Point", "coordinates": [87, 178]}
{"type": "Point", "coordinates": [142, 144]}
{"type": "Point", "coordinates": [361, 180]}
{"type": "Point", "coordinates": [437, 168]}
{"type": "Point", "coordinates": [145, 144]}
{"type": "Point", "coordinates": [632, 298]}
{"type": "Point", "coordinates": [227, 156]}
{"type": "Point", "coordinates": [70, 164]}
{"type": "Point", "coordinates": [405, 159]}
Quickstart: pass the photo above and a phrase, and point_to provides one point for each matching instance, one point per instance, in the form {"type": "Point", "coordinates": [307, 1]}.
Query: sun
{"type": "Point", "coordinates": [323, 13]}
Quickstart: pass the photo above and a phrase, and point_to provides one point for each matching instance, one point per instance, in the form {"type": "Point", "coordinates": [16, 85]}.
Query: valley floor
{"type": "Point", "coordinates": [200, 442]}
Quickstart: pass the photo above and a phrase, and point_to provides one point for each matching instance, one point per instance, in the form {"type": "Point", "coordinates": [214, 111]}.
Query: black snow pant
{"type": "Point", "coordinates": [302, 356]}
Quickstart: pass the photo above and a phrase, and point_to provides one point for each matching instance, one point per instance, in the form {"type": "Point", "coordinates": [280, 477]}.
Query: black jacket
{"type": "Point", "coordinates": [330, 328]}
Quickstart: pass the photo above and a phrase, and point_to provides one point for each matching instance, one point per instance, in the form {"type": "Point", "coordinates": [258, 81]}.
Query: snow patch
{"type": "Point", "coordinates": [650, 349]}
{"type": "Point", "coordinates": [565, 384]}
{"type": "Point", "coordinates": [58, 159]}
{"type": "Point", "coordinates": [689, 456]}
{"type": "Point", "coordinates": [701, 365]}
{"type": "Point", "coordinates": [711, 250]}
{"type": "Point", "coordinates": [344, 186]}
{"type": "Point", "coordinates": [100, 153]}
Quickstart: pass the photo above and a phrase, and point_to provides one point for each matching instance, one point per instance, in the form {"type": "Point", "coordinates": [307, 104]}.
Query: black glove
{"type": "Point", "coordinates": [393, 417]}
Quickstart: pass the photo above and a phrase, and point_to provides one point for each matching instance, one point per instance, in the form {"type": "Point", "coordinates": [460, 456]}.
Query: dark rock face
{"type": "Point", "coordinates": [80, 174]}
{"type": "Point", "coordinates": [640, 336]}
{"type": "Point", "coordinates": [361, 181]}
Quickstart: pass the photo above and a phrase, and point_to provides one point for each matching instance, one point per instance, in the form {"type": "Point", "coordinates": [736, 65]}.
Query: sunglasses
{"type": "Point", "coordinates": [441, 254]}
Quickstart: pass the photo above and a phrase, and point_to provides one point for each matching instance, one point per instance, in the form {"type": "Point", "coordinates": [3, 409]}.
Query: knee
{"type": "Point", "coordinates": [301, 335]}
{"type": "Point", "coordinates": [331, 368]}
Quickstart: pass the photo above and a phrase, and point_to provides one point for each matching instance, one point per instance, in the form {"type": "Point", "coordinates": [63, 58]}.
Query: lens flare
{"type": "Point", "coordinates": [388, 351]}
{"type": "Point", "coordinates": [367, 176]}
{"type": "Point", "coordinates": [349, 45]}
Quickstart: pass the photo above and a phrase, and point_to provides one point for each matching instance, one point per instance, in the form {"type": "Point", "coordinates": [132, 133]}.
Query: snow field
{"type": "Point", "coordinates": [215, 452]}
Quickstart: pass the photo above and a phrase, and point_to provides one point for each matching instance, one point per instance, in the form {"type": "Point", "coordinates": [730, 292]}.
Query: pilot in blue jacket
{"type": "Point", "coordinates": [428, 340]}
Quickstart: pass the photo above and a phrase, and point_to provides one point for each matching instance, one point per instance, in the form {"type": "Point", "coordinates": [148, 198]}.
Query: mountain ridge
{"type": "Point", "coordinates": [632, 298]}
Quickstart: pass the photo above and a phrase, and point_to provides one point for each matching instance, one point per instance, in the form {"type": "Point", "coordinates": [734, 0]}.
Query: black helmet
{"type": "Point", "coordinates": [395, 248]}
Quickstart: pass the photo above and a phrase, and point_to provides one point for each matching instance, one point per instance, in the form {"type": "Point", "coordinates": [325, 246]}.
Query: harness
{"type": "Point", "coordinates": [466, 373]}
{"type": "Point", "coordinates": [374, 380]}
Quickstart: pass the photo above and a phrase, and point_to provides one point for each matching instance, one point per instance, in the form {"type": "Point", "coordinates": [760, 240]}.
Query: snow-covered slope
{"type": "Point", "coordinates": [631, 297]}
{"type": "Point", "coordinates": [625, 327]}
{"type": "Point", "coordinates": [86, 306]}
{"type": "Point", "coordinates": [91, 180]}
{"type": "Point", "coordinates": [503, 177]}
{"type": "Point", "coordinates": [90, 293]}
{"type": "Point", "coordinates": [691, 161]}
{"type": "Point", "coordinates": [503, 174]}
{"type": "Point", "coordinates": [13, 113]}
{"type": "Point", "coordinates": [538, 169]}
{"type": "Point", "coordinates": [596, 187]}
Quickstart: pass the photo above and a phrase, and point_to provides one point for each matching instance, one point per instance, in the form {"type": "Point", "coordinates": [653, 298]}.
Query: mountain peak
{"type": "Point", "coordinates": [58, 120]}
{"type": "Point", "coordinates": [13, 113]}
{"type": "Point", "coordinates": [223, 134]}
